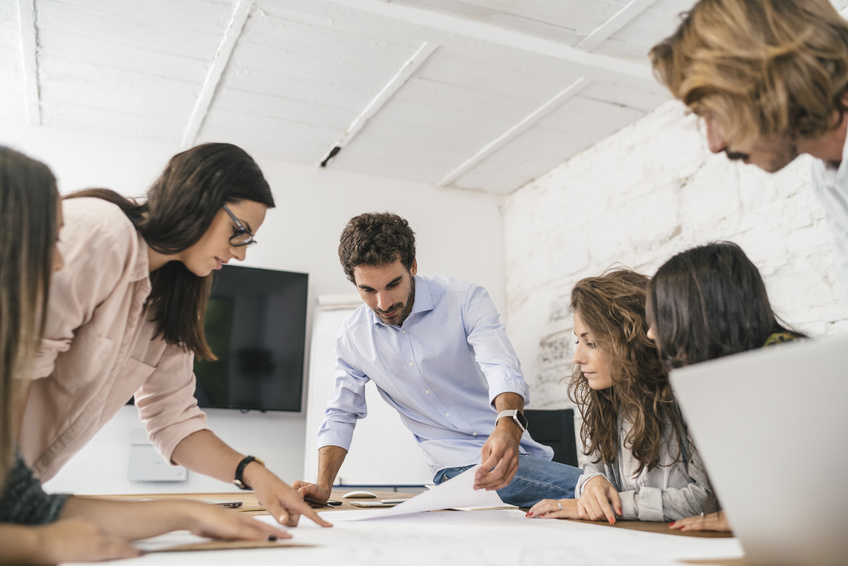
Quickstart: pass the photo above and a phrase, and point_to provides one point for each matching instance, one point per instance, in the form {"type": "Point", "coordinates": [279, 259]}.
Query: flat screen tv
{"type": "Point", "coordinates": [256, 326]}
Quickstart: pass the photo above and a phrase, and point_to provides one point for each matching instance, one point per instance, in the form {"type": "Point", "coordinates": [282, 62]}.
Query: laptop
{"type": "Point", "coordinates": [772, 428]}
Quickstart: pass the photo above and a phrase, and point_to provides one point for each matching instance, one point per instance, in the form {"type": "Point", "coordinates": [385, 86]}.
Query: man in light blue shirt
{"type": "Point", "coordinates": [438, 354]}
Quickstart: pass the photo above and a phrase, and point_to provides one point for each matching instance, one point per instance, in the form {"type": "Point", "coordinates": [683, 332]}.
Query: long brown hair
{"type": "Point", "coordinates": [612, 306]}
{"type": "Point", "coordinates": [759, 67]}
{"type": "Point", "coordinates": [179, 208]}
{"type": "Point", "coordinates": [28, 208]}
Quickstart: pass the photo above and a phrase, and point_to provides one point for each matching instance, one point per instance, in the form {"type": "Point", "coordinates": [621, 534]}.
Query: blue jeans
{"type": "Point", "coordinates": [536, 479]}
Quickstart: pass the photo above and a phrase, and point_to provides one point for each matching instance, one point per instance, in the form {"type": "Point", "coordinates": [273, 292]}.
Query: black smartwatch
{"type": "Point", "coordinates": [516, 415]}
{"type": "Point", "coordinates": [239, 481]}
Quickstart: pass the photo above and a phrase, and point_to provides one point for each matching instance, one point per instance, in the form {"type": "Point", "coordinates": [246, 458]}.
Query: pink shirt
{"type": "Point", "coordinates": [100, 349]}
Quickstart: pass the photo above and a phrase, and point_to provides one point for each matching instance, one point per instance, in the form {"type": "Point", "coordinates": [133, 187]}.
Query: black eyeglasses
{"type": "Point", "coordinates": [242, 236]}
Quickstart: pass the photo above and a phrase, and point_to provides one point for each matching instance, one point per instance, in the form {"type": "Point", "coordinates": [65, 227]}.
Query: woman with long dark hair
{"type": "Point", "coordinates": [705, 303]}
{"type": "Point", "coordinates": [642, 464]}
{"type": "Point", "coordinates": [37, 528]}
{"type": "Point", "coordinates": [125, 318]}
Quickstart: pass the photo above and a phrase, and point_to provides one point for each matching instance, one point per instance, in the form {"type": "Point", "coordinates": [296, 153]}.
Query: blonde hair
{"type": "Point", "coordinates": [28, 214]}
{"type": "Point", "coordinates": [759, 67]}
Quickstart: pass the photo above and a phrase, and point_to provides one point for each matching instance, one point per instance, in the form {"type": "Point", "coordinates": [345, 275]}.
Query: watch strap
{"type": "Point", "coordinates": [239, 479]}
{"type": "Point", "coordinates": [516, 415]}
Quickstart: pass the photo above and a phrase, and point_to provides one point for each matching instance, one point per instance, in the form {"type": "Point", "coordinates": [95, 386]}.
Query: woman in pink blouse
{"type": "Point", "coordinates": [37, 528]}
{"type": "Point", "coordinates": [125, 318]}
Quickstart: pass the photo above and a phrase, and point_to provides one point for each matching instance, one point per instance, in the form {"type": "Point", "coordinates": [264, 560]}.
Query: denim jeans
{"type": "Point", "coordinates": [536, 479]}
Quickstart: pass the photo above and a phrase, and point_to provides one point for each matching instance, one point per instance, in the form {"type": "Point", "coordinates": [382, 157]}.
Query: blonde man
{"type": "Point", "coordinates": [770, 81]}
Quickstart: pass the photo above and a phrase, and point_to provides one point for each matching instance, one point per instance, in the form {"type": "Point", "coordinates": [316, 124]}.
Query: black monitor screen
{"type": "Point", "coordinates": [256, 326]}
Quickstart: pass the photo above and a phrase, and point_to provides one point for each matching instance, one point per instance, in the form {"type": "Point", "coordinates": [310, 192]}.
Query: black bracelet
{"type": "Point", "coordinates": [239, 481]}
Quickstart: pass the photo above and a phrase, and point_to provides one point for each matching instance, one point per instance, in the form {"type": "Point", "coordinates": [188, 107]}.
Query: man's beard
{"type": "Point", "coordinates": [406, 308]}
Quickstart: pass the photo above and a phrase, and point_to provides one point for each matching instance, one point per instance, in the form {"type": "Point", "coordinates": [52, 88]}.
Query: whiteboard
{"type": "Point", "coordinates": [383, 451]}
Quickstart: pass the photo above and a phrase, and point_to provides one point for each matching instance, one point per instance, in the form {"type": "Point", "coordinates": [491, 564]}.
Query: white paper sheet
{"type": "Point", "coordinates": [451, 538]}
{"type": "Point", "coordinates": [456, 492]}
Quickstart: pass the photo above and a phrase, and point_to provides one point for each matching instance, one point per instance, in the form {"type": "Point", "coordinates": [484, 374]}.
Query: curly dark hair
{"type": "Point", "coordinates": [376, 238]}
{"type": "Point", "coordinates": [612, 306]}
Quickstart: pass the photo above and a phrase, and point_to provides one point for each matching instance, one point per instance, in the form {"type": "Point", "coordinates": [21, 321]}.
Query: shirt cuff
{"type": "Point", "coordinates": [337, 434]}
{"type": "Point", "coordinates": [508, 385]}
{"type": "Point", "coordinates": [581, 482]}
{"type": "Point", "coordinates": [629, 505]}
{"type": "Point", "coordinates": [650, 504]}
{"type": "Point", "coordinates": [167, 439]}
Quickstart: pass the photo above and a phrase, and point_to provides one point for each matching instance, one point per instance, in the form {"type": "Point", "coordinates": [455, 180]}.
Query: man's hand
{"type": "Point", "coordinates": [598, 500]}
{"type": "Point", "coordinates": [555, 509]}
{"type": "Point", "coordinates": [284, 503]}
{"type": "Point", "coordinates": [499, 457]}
{"type": "Point", "coordinates": [312, 493]}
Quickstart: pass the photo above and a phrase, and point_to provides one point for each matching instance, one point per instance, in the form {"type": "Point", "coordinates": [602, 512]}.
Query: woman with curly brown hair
{"type": "Point", "coordinates": [642, 464]}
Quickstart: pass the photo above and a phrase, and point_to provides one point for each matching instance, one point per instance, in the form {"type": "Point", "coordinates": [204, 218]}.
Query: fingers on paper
{"type": "Point", "coordinates": [708, 522]}
{"type": "Point", "coordinates": [548, 509]}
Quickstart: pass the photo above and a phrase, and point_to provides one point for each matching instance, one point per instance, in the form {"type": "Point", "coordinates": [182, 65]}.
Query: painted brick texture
{"type": "Point", "coordinates": [638, 197]}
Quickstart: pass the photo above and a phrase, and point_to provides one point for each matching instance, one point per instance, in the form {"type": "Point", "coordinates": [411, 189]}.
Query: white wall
{"type": "Point", "coordinates": [638, 197]}
{"type": "Point", "coordinates": [459, 234]}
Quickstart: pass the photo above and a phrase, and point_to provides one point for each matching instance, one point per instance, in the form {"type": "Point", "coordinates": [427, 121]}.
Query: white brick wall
{"type": "Point", "coordinates": [643, 194]}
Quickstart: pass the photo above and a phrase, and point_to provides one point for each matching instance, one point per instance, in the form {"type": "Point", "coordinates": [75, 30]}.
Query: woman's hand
{"type": "Point", "coordinates": [600, 500]}
{"type": "Point", "coordinates": [212, 521]}
{"type": "Point", "coordinates": [704, 522]}
{"type": "Point", "coordinates": [554, 509]}
{"type": "Point", "coordinates": [67, 540]}
{"type": "Point", "coordinates": [283, 502]}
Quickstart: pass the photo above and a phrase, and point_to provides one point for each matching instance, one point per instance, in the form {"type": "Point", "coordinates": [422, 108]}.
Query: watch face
{"type": "Point", "coordinates": [519, 416]}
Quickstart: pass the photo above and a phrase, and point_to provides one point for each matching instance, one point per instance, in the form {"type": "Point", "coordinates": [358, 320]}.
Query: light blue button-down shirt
{"type": "Point", "coordinates": [441, 370]}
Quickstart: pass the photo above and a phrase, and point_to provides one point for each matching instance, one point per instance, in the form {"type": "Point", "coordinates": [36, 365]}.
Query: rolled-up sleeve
{"type": "Point", "coordinates": [348, 402]}
{"type": "Point", "coordinates": [591, 469]}
{"type": "Point", "coordinates": [671, 504]}
{"type": "Point", "coordinates": [24, 502]}
{"type": "Point", "coordinates": [166, 402]}
{"type": "Point", "coordinates": [493, 351]}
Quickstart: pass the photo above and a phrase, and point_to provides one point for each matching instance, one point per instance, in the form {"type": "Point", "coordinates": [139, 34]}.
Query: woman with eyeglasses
{"type": "Point", "coordinates": [125, 318]}
{"type": "Point", "coordinates": [41, 528]}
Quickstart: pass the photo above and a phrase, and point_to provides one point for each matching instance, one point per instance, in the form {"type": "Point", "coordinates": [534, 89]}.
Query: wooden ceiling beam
{"type": "Point", "coordinates": [615, 23]}
{"type": "Point", "coordinates": [558, 100]}
{"type": "Point", "coordinates": [241, 11]}
{"type": "Point", "coordinates": [386, 93]}
{"type": "Point", "coordinates": [589, 65]}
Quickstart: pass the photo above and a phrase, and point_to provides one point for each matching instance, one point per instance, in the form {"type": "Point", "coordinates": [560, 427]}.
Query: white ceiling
{"type": "Point", "coordinates": [472, 94]}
